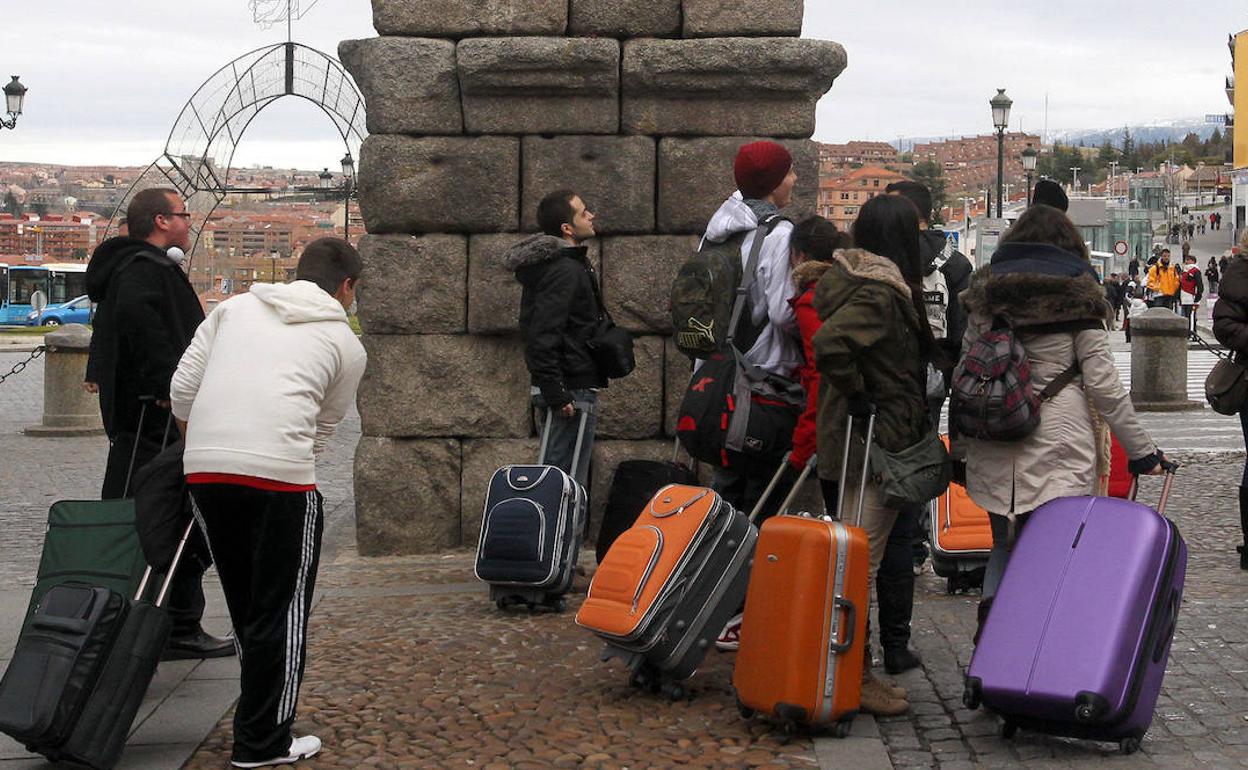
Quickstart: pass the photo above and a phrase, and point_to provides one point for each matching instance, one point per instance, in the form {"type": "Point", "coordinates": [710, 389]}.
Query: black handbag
{"type": "Point", "coordinates": [1226, 387]}
{"type": "Point", "coordinates": [612, 350]}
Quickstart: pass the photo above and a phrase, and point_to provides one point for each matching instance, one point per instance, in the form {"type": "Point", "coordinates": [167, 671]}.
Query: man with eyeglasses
{"type": "Point", "coordinates": [147, 315]}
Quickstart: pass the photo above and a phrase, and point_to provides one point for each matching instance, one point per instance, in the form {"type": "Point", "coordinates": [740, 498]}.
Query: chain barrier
{"type": "Point", "coordinates": [20, 365]}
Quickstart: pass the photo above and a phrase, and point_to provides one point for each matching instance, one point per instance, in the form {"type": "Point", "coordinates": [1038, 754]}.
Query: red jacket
{"type": "Point", "coordinates": [805, 276]}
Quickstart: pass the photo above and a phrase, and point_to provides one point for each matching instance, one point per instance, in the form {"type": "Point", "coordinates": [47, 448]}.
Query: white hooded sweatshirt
{"type": "Point", "coordinates": [778, 349]}
{"type": "Point", "coordinates": [264, 382]}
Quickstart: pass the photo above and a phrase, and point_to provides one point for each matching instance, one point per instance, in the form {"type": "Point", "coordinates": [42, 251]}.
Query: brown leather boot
{"type": "Point", "coordinates": [877, 700]}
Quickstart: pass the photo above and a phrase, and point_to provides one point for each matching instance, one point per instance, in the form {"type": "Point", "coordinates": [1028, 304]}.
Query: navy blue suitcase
{"type": "Point", "coordinates": [531, 530]}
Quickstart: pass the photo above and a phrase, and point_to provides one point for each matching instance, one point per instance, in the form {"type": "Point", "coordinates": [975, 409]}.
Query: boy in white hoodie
{"type": "Point", "coordinates": [257, 394]}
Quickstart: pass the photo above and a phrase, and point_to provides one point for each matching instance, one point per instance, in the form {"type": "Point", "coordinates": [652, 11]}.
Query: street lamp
{"type": "Point", "coordinates": [348, 176]}
{"type": "Point", "coordinates": [14, 95]}
{"type": "Point", "coordinates": [1029, 165]}
{"type": "Point", "coordinates": [1001, 120]}
{"type": "Point", "coordinates": [327, 179]}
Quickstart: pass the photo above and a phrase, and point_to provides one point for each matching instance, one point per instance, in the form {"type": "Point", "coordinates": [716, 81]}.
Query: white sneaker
{"type": "Point", "coordinates": [300, 748]}
{"type": "Point", "coordinates": [730, 638]}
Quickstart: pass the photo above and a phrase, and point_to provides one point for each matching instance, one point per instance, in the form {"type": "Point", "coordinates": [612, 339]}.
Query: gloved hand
{"type": "Point", "coordinates": [1154, 464]}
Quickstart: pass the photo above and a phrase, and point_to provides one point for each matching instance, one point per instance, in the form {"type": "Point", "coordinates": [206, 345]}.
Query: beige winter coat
{"type": "Point", "coordinates": [1060, 458]}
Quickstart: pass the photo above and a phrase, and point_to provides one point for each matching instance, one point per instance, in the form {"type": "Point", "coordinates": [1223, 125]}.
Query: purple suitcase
{"type": "Point", "coordinates": [1079, 633]}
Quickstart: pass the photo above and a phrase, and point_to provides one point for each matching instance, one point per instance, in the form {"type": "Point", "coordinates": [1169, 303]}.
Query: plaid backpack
{"type": "Point", "coordinates": [991, 396]}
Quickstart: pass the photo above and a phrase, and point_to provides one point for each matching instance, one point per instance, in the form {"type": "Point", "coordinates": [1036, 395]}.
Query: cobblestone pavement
{"type": "Point", "coordinates": [1202, 717]}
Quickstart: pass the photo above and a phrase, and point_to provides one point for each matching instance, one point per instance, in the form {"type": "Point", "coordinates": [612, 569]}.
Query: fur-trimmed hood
{"type": "Point", "coordinates": [1036, 284]}
{"type": "Point", "coordinates": [808, 272]}
{"type": "Point", "coordinates": [862, 265]}
{"type": "Point", "coordinates": [532, 250]}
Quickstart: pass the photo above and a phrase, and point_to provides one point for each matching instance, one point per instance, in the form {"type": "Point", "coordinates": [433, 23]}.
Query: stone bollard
{"type": "Point", "coordinates": [1159, 362]}
{"type": "Point", "coordinates": [68, 410]}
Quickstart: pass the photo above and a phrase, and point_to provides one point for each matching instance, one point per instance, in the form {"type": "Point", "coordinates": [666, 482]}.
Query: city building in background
{"type": "Point", "coordinates": [1237, 124]}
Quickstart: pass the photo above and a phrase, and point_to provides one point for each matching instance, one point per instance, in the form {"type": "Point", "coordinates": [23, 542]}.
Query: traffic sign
{"type": "Point", "coordinates": [1120, 248]}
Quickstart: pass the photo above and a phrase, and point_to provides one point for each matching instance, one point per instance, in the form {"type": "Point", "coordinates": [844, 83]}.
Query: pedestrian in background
{"type": "Point", "coordinates": [1041, 276]}
{"type": "Point", "coordinates": [1163, 282]}
{"type": "Point", "coordinates": [1213, 276]}
{"type": "Point", "coordinates": [1230, 327]}
{"type": "Point", "coordinates": [873, 350]}
{"type": "Point", "coordinates": [257, 394]}
{"type": "Point", "coordinates": [1191, 290]}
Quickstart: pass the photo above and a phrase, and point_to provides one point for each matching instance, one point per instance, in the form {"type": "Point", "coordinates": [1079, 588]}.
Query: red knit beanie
{"type": "Point", "coordinates": [760, 167]}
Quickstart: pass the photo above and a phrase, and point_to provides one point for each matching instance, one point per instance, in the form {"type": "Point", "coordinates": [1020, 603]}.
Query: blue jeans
{"type": "Point", "coordinates": [563, 431]}
{"type": "Point", "coordinates": [1002, 547]}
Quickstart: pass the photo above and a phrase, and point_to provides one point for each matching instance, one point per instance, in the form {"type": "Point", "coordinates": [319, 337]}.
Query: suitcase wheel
{"type": "Point", "coordinates": [556, 603]}
{"type": "Point", "coordinates": [1008, 729]}
{"type": "Point", "coordinates": [675, 691]}
{"type": "Point", "coordinates": [970, 694]}
{"type": "Point", "coordinates": [745, 711]}
{"type": "Point", "coordinates": [1129, 745]}
{"type": "Point", "coordinates": [842, 728]}
{"type": "Point", "coordinates": [645, 679]}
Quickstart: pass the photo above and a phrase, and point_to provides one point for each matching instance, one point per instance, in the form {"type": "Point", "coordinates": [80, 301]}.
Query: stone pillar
{"type": "Point", "coordinates": [1159, 362]}
{"type": "Point", "coordinates": [476, 110]}
{"type": "Point", "coordinates": [68, 410]}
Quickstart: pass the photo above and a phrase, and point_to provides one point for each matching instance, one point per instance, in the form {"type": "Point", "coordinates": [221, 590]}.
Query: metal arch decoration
{"type": "Point", "coordinates": [200, 149]}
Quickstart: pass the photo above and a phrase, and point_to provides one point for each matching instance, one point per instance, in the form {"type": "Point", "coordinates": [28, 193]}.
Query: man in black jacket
{"type": "Point", "coordinates": [560, 310]}
{"type": "Point", "coordinates": [147, 315]}
{"type": "Point", "coordinates": [946, 274]}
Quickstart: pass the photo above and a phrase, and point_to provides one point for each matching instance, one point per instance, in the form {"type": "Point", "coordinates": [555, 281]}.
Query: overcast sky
{"type": "Point", "coordinates": [108, 80]}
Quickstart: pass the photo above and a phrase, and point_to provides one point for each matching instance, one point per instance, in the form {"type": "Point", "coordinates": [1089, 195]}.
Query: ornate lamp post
{"type": "Point", "coordinates": [327, 179]}
{"type": "Point", "coordinates": [348, 177]}
{"type": "Point", "coordinates": [1029, 165]}
{"type": "Point", "coordinates": [14, 95]}
{"type": "Point", "coordinates": [1001, 120]}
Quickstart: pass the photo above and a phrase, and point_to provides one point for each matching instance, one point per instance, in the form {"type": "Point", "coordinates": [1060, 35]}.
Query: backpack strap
{"type": "Point", "coordinates": [750, 276]}
{"type": "Point", "coordinates": [1060, 381]}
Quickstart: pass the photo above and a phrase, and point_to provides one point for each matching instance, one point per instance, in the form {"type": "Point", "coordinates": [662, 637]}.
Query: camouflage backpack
{"type": "Point", "coordinates": [704, 294]}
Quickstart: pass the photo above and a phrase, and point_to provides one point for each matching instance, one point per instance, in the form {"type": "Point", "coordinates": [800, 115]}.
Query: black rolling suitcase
{"type": "Point", "coordinates": [635, 482]}
{"type": "Point", "coordinates": [532, 529]}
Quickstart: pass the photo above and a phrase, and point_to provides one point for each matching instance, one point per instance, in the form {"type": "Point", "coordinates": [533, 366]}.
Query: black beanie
{"type": "Point", "coordinates": [1050, 193]}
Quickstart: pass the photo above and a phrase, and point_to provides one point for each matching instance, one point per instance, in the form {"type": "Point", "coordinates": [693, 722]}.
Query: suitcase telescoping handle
{"type": "Point", "coordinates": [866, 465]}
{"type": "Point", "coordinates": [138, 436]}
{"type": "Point", "coordinates": [1170, 467]}
{"type": "Point", "coordinates": [775, 482]}
{"type": "Point", "coordinates": [584, 409]}
{"type": "Point", "coordinates": [173, 566]}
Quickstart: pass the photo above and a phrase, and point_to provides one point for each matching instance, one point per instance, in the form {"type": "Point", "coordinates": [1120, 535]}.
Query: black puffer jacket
{"type": "Point", "coordinates": [1230, 313]}
{"type": "Point", "coordinates": [559, 313]}
{"type": "Point", "coordinates": [148, 312]}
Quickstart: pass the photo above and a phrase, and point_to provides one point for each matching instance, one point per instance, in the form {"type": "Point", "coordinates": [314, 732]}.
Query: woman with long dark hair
{"type": "Point", "coordinates": [872, 350]}
{"type": "Point", "coordinates": [1230, 326]}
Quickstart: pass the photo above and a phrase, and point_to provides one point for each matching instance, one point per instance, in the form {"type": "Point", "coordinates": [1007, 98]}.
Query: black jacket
{"type": "Point", "coordinates": [560, 311]}
{"type": "Point", "coordinates": [148, 312]}
{"type": "Point", "coordinates": [1230, 313]}
{"type": "Point", "coordinates": [957, 270]}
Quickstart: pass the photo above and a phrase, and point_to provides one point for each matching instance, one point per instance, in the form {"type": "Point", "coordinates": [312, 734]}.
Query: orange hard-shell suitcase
{"type": "Point", "coordinates": [669, 583]}
{"type": "Point", "coordinates": [801, 654]}
{"type": "Point", "coordinates": [961, 538]}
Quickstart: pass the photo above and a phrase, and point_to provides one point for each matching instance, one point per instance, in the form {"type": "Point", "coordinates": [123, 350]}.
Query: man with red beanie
{"type": "Point", "coordinates": [765, 177]}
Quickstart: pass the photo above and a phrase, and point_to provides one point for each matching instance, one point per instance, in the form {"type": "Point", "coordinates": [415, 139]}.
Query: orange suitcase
{"type": "Point", "coordinates": [801, 654]}
{"type": "Point", "coordinates": [668, 584]}
{"type": "Point", "coordinates": [961, 538]}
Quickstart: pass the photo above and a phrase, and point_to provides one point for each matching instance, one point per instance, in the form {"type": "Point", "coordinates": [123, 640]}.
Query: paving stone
{"type": "Point", "coordinates": [536, 85]}
{"type": "Point", "coordinates": [466, 18]}
{"type": "Point", "coordinates": [409, 84]}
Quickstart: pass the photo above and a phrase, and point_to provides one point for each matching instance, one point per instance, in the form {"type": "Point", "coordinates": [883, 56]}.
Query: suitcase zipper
{"type": "Point", "coordinates": [645, 576]}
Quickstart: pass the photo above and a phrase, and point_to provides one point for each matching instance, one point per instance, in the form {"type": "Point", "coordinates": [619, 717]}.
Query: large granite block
{"type": "Point", "coordinates": [414, 284]}
{"type": "Point", "coordinates": [695, 178]}
{"type": "Point", "coordinates": [607, 457]}
{"type": "Point", "coordinates": [739, 18]}
{"type": "Point", "coordinates": [624, 18]}
{"type": "Point", "coordinates": [429, 385]}
{"type": "Point", "coordinates": [540, 85]}
{"type": "Point", "coordinates": [409, 84]}
{"type": "Point", "coordinates": [467, 18]}
{"type": "Point", "coordinates": [481, 458]}
{"type": "Point", "coordinates": [614, 175]}
{"type": "Point", "coordinates": [637, 274]}
{"type": "Point", "coordinates": [407, 496]}
{"type": "Point", "coordinates": [727, 86]}
{"type": "Point", "coordinates": [632, 407]}
{"type": "Point", "coordinates": [493, 291]}
{"type": "Point", "coordinates": [439, 184]}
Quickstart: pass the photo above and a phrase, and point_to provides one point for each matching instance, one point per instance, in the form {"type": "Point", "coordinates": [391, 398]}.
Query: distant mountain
{"type": "Point", "coordinates": [1173, 130]}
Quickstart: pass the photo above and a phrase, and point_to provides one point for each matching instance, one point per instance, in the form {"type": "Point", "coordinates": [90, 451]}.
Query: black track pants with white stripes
{"type": "Point", "coordinates": [266, 546]}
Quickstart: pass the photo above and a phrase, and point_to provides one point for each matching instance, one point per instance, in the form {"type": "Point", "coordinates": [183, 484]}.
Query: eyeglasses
{"type": "Point", "coordinates": [183, 214]}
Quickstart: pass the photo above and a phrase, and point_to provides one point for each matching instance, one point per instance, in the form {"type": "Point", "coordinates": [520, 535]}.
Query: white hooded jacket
{"type": "Point", "coordinates": [778, 348]}
{"type": "Point", "coordinates": [264, 382]}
